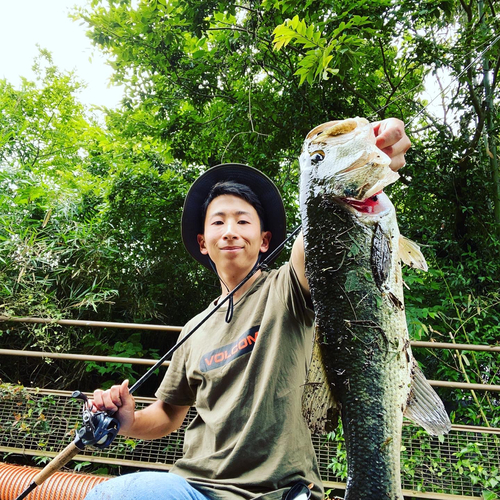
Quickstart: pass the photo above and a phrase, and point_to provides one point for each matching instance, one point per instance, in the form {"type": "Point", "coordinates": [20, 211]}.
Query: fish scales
{"type": "Point", "coordinates": [354, 273]}
{"type": "Point", "coordinates": [365, 355]}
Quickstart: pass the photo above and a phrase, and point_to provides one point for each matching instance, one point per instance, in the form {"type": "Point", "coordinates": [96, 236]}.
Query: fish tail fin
{"type": "Point", "coordinates": [410, 254]}
{"type": "Point", "coordinates": [424, 406]}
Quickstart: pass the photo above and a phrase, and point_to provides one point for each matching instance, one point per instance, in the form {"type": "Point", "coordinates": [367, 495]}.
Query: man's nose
{"type": "Point", "coordinates": [230, 232]}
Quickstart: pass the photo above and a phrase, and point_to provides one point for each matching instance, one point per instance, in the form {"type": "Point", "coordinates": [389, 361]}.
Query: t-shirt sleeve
{"type": "Point", "coordinates": [290, 292]}
{"type": "Point", "coordinates": [175, 388]}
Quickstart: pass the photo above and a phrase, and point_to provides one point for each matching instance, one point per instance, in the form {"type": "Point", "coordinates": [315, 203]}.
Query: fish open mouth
{"type": "Point", "coordinates": [373, 205]}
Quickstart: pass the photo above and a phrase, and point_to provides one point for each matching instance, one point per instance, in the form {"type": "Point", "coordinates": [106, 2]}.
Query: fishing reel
{"type": "Point", "coordinates": [99, 428]}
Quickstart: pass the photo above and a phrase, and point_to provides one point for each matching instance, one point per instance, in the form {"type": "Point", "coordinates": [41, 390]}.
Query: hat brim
{"type": "Point", "coordinates": [192, 223]}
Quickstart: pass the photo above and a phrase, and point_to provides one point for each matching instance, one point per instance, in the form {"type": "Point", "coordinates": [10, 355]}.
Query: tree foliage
{"type": "Point", "coordinates": [90, 213]}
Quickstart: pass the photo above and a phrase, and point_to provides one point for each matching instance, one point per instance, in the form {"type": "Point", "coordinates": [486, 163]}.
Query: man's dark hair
{"type": "Point", "coordinates": [234, 189]}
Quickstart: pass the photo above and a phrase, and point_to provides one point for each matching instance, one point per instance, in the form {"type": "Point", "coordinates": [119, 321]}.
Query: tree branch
{"type": "Point", "coordinates": [490, 3]}
{"type": "Point", "coordinates": [474, 98]}
{"type": "Point", "coordinates": [467, 8]}
{"type": "Point", "coordinates": [385, 65]}
{"type": "Point", "coordinates": [350, 88]}
{"type": "Point", "coordinates": [495, 75]}
{"type": "Point", "coordinates": [475, 139]}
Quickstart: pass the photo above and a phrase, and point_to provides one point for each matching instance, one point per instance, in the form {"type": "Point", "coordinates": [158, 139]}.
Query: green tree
{"type": "Point", "coordinates": [245, 81]}
{"type": "Point", "coordinates": [206, 77]}
{"type": "Point", "coordinates": [89, 228]}
{"type": "Point", "coordinates": [447, 200]}
{"type": "Point", "coordinates": [211, 82]}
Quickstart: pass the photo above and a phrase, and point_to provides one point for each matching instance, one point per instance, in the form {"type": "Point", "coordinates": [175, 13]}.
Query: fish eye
{"type": "Point", "coordinates": [317, 156]}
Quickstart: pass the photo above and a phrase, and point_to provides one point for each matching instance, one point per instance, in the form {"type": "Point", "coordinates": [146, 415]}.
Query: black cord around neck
{"type": "Point", "coordinates": [259, 265]}
{"type": "Point", "coordinates": [230, 307]}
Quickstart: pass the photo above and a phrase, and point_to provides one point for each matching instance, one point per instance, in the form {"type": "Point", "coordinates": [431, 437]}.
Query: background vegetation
{"type": "Point", "coordinates": [90, 212]}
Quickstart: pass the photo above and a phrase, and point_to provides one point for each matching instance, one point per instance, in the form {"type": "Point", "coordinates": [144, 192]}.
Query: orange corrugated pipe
{"type": "Point", "coordinates": [14, 479]}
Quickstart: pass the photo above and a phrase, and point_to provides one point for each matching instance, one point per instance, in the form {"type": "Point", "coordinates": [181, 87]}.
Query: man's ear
{"type": "Point", "coordinates": [201, 242]}
{"type": "Point", "coordinates": [266, 240]}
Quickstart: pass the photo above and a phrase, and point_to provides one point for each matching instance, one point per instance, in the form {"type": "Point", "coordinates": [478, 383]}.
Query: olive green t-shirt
{"type": "Point", "coordinates": [249, 439]}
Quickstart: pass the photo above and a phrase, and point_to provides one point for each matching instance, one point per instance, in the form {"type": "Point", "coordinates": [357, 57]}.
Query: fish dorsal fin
{"type": "Point", "coordinates": [410, 254]}
{"type": "Point", "coordinates": [343, 127]}
{"type": "Point", "coordinates": [319, 407]}
{"type": "Point", "coordinates": [424, 407]}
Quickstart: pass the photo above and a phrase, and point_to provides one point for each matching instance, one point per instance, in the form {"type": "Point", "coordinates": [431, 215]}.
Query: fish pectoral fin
{"type": "Point", "coordinates": [424, 407]}
{"type": "Point", "coordinates": [410, 254]}
{"type": "Point", "coordinates": [319, 408]}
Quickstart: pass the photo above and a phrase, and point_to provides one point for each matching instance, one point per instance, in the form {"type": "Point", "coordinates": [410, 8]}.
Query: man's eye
{"type": "Point", "coordinates": [317, 156]}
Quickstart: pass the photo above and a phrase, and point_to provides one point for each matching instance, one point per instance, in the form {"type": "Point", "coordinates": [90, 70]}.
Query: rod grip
{"type": "Point", "coordinates": [56, 463]}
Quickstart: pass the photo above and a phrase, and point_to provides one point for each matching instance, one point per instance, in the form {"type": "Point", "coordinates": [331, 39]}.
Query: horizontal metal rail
{"type": "Point", "coordinates": [144, 361]}
{"type": "Point", "coordinates": [166, 467]}
{"type": "Point", "coordinates": [148, 400]}
{"type": "Point", "coordinates": [98, 460]}
{"type": "Point", "coordinates": [465, 385]}
{"type": "Point", "coordinates": [146, 326]}
{"type": "Point", "coordinates": [97, 324]}
{"type": "Point", "coordinates": [458, 347]}
{"type": "Point", "coordinates": [80, 357]}
{"type": "Point", "coordinates": [409, 493]}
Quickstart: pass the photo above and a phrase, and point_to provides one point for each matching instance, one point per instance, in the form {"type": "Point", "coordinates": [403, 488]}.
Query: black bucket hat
{"type": "Point", "coordinates": [192, 220]}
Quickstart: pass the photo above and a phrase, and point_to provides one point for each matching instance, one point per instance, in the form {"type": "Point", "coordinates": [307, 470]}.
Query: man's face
{"type": "Point", "coordinates": [232, 234]}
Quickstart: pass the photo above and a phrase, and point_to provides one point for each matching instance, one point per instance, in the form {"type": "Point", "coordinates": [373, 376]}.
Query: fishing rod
{"type": "Point", "coordinates": [100, 427]}
{"type": "Point", "coordinates": [442, 92]}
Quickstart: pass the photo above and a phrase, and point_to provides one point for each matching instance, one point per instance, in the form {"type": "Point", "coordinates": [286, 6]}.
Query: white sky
{"type": "Point", "coordinates": [26, 23]}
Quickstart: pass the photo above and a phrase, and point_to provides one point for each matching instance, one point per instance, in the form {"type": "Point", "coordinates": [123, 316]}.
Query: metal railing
{"type": "Point", "coordinates": [161, 454]}
{"type": "Point", "coordinates": [166, 328]}
{"type": "Point", "coordinates": [23, 431]}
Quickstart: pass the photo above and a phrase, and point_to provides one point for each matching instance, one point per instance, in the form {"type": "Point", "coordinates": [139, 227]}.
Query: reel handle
{"type": "Point", "coordinates": [99, 428]}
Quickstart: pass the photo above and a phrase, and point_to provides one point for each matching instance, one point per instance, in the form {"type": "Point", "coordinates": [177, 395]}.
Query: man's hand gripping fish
{"type": "Point", "coordinates": [353, 265]}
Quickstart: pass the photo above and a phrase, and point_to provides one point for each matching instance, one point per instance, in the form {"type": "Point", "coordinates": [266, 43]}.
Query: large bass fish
{"type": "Point", "coordinates": [353, 265]}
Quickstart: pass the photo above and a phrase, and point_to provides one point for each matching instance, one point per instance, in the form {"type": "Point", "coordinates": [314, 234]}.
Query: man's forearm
{"type": "Point", "coordinates": [156, 421]}
{"type": "Point", "coordinates": [298, 262]}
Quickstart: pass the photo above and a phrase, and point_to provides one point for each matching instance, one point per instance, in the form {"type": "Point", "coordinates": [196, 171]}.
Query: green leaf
{"type": "Point", "coordinates": [489, 495]}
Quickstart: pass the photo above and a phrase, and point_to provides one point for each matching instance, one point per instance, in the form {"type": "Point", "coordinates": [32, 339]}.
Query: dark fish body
{"type": "Point", "coordinates": [352, 248]}
{"type": "Point", "coordinates": [366, 358]}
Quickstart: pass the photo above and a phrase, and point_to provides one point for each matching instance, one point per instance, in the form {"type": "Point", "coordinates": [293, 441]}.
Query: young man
{"type": "Point", "coordinates": [245, 367]}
